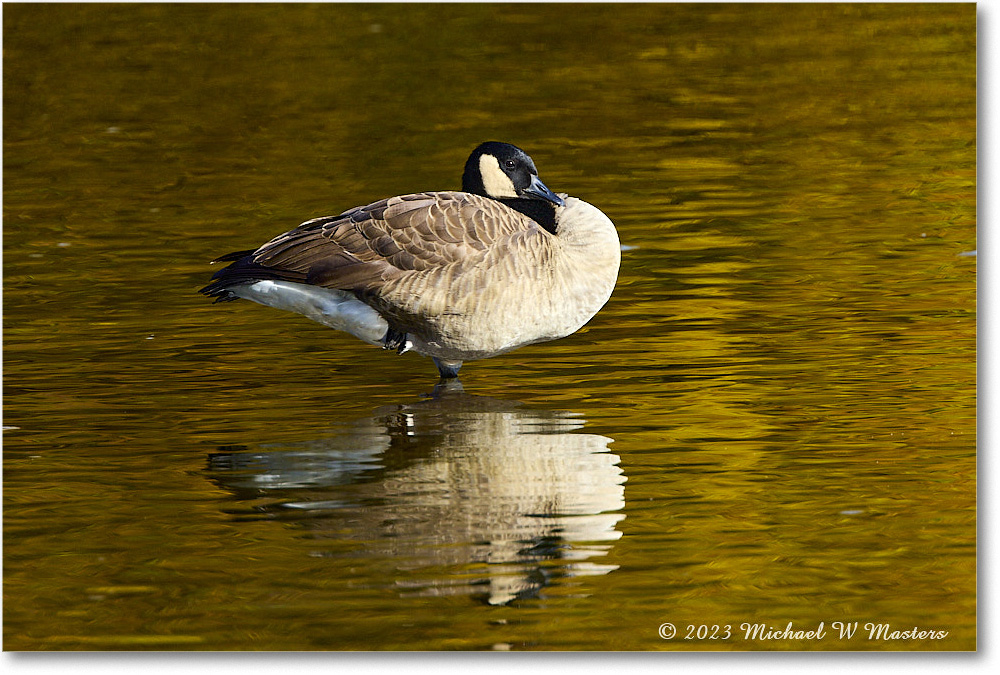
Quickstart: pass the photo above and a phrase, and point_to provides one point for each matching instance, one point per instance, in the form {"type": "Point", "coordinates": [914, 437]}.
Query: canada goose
{"type": "Point", "coordinates": [455, 276]}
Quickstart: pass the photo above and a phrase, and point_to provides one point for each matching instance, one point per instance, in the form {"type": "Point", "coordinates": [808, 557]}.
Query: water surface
{"type": "Point", "coordinates": [772, 420]}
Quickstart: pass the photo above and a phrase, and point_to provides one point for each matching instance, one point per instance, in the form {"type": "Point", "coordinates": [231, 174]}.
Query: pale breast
{"type": "Point", "coordinates": [528, 287]}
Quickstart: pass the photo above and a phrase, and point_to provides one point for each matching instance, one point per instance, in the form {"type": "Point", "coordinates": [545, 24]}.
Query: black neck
{"type": "Point", "coordinates": [542, 212]}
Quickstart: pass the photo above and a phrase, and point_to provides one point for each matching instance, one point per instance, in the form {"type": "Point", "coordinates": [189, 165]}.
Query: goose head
{"type": "Point", "coordinates": [506, 173]}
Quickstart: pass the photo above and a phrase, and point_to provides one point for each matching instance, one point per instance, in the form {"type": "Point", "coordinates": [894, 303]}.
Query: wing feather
{"type": "Point", "coordinates": [386, 239]}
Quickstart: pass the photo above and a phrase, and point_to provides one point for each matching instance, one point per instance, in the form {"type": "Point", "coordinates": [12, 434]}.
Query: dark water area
{"type": "Point", "coordinates": [773, 420]}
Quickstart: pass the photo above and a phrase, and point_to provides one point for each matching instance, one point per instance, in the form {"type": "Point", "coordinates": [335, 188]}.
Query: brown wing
{"type": "Point", "coordinates": [370, 244]}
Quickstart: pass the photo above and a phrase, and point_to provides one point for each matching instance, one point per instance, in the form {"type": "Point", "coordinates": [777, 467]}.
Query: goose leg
{"type": "Point", "coordinates": [448, 369]}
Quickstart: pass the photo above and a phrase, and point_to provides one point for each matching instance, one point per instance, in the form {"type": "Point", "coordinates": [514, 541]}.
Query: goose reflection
{"type": "Point", "coordinates": [505, 500]}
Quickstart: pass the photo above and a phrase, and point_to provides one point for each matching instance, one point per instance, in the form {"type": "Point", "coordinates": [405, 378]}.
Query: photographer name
{"type": "Point", "coordinates": [843, 630]}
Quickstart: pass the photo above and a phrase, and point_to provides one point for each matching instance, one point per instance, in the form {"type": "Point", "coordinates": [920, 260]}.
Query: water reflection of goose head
{"type": "Point", "coordinates": [505, 499]}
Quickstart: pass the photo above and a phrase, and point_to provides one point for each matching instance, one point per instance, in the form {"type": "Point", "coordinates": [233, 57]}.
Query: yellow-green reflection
{"type": "Point", "coordinates": [786, 369]}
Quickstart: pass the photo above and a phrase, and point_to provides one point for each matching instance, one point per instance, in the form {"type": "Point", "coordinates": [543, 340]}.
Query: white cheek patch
{"type": "Point", "coordinates": [496, 182]}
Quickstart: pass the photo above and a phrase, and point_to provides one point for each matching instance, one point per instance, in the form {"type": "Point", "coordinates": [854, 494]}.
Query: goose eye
{"type": "Point", "coordinates": [510, 164]}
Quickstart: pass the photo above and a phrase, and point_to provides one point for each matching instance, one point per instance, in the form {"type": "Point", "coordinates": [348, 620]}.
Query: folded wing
{"type": "Point", "coordinates": [363, 248]}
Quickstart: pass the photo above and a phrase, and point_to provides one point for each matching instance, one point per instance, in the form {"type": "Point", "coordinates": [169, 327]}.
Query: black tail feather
{"type": "Point", "coordinates": [236, 255]}
{"type": "Point", "coordinates": [242, 270]}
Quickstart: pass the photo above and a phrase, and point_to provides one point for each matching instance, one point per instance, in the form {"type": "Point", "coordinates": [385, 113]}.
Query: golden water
{"type": "Point", "coordinates": [772, 421]}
